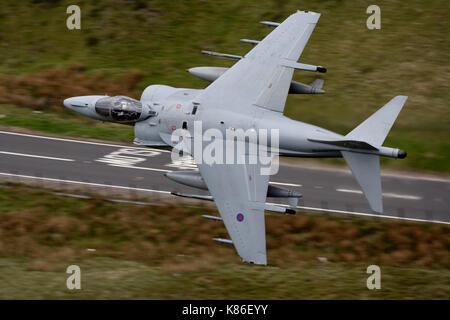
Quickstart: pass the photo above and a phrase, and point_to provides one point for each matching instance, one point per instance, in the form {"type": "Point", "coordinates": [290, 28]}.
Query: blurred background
{"type": "Point", "coordinates": [124, 46]}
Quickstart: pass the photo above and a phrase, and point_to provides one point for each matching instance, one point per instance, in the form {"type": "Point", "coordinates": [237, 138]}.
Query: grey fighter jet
{"type": "Point", "coordinates": [249, 96]}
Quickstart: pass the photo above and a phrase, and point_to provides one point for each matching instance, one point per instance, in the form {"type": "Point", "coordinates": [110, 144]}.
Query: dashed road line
{"type": "Point", "coordinates": [401, 196]}
{"type": "Point", "coordinates": [34, 156]}
{"type": "Point", "coordinates": [387, 194]}
{"type": "Point", "coordinates": [350, 191]}
{"type": "Point", "coordinates": [141, 168]}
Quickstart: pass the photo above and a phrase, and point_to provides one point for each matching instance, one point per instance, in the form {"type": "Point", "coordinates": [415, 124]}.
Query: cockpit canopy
{"type": "Point", "coordinates": [119, 108]}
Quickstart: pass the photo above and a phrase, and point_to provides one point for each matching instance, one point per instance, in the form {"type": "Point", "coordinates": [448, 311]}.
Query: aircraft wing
{"type": "Point", "coordinates": [263, 76]}
{"type": "Point", "coordinates": [239, 191]}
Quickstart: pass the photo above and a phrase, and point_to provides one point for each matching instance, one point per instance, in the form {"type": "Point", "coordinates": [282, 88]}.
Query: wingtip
{"type": "Point", "coordinates": [401, 98]}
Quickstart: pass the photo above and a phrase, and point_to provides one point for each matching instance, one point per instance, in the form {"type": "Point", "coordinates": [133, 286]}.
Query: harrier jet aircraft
{"type": "Point", "coordinates": [249, 96]}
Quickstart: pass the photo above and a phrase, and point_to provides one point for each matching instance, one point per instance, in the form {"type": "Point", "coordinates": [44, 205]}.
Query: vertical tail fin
{"type": "Point", "coordinates": [366, 167]}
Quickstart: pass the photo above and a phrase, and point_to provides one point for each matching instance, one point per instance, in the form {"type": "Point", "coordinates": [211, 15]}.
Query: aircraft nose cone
{"type": "Point", "coordinates": [77, 102]}
{"type": "Point", "coordinates": [81, 102]}
{"type": "Point", "coordinates": [67, 102]}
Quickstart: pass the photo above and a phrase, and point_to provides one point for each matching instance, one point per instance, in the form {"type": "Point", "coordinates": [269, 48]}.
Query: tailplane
{"type": "Point", "coordinates": [375, 128]}
{"type": "Point", "coordinates": [364, 166]}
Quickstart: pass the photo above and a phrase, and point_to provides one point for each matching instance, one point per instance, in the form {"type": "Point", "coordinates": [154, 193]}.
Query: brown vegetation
{"type": "Point", "coordinates": [179, 240]}
{"type": "Point", "coordinates": [47, 90]}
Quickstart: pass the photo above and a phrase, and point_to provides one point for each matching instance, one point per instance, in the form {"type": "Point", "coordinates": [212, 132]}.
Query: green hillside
{"type": "Point", "coordinates": [159, 40]}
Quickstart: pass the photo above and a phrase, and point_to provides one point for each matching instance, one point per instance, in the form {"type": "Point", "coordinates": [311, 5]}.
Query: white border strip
{"type": "Point", "coordinates": [82, 183]}
{"type": "Point", "coordinates": [365, 214]}
{"type": "Point", "coordinates": [372, 215]}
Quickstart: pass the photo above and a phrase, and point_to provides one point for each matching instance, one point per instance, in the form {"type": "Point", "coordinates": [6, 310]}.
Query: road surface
{"type": "Point", "coordinates": [125, 167]}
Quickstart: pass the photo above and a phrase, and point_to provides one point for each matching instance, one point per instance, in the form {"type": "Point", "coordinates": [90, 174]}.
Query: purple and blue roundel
{"type": "Point", "coordinates": [240, 217]}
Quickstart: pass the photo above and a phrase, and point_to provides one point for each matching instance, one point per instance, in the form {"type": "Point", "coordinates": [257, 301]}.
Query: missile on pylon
{"type": "Point", "coordinates": [212, 73]}
{"type": "Point", "coordinates": [194, 179]}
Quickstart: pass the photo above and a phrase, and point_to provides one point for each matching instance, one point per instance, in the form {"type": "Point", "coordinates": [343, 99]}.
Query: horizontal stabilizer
{"type": "Point", "coordinates": [366, 169]}
{"type": "Point", "coordinates": [375, 128]}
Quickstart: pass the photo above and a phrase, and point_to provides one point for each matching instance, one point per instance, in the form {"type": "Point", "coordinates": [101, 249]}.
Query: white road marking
{"type": "Point", "coordinates": [350, 191]}
{"type": "Point", "coordinates": [81, 196]}
{"type": "Point", "coordinates": [365, 214]}
{"type": "Point", "coordinates": [168, 192]}
{"type": "Point", "coordinates": [129, 157]}
{"type": "Point", "coordinates": [82, 183]}
{"type": "Point", "coordinates": [72, 195]}
{"type": "Point", "coordinates": [387, 194]}
{"type": "Point", "coordinates": [287, 184]}
{"type": "Point", "coordinates": [34, 156]}
{"type": "Point", "coordinates": [183, 163]}
{"type": "Point", "coordinates": [372, 215]}
{"type": "Point", "coordinates": [141, 168]}
{"type": "Point", "coordinates": [400, 175]}
{"type": "Point", "coordinates": [402, 196]}
{"type": "Point", "coordinates": [303, 166]}
{"type": "Point", "coordinates": [81, 141]}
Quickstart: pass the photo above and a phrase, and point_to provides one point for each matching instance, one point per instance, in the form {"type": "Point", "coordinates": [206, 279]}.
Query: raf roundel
{"type": "Point", "coordinates": [240, 217]}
